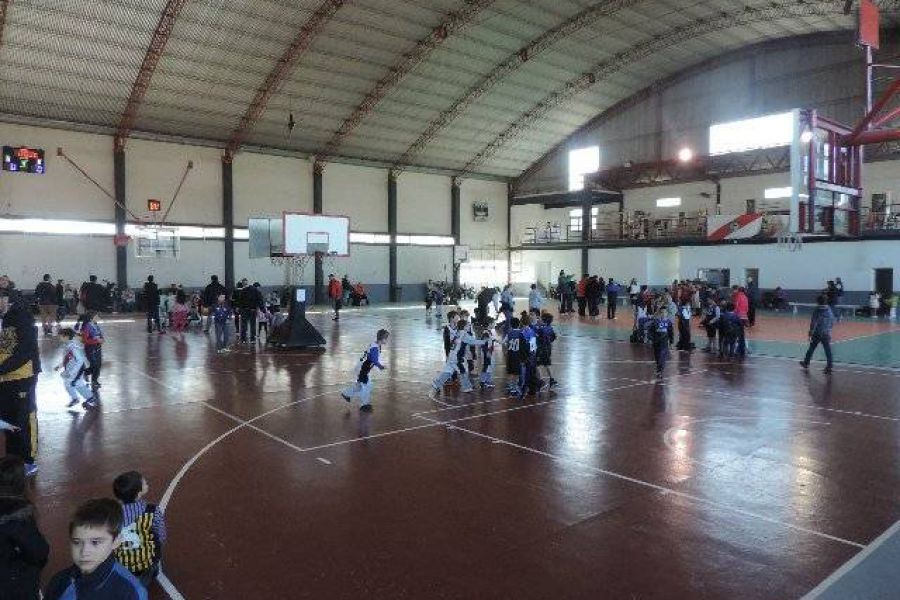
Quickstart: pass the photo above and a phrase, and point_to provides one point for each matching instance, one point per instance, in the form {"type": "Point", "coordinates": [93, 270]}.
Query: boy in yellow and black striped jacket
{"type": "Point", "coordinates": [143, 530]}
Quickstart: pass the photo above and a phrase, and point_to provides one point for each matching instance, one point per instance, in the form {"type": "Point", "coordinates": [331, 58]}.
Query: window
{"type": "Point", "coordinates": [749, 134]}
{"type": "Point", "coordinates": [779, 192]}
{"type": "Point", "coordinates": [575, 219]}
{"type": "Point", "coordinates": [478, 273]}
{"type": "Point", "coordinates": [668, 202]}
{"type": "Point", "coordinates": [426, 240]}
{"type": "Point", "coordinates": [585, 160]}
{"type": "Point", "coordinates": [57, 226]}
{"type": "Point", "coordinates": [369, 238]}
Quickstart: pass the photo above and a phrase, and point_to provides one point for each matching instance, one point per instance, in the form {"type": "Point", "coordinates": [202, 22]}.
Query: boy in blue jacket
{"type": "Point", "coordinates": [820, 333]}
{"type": "Point", "coordinates": [96, 575]}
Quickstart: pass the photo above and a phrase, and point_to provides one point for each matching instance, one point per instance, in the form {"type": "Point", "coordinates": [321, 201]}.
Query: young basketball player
{"type": "Point", "coordinates": [363, 386]}
{"type": "Point", "coordinates": [515, 343]}
{"type": "Point", "coordinates": [456, 363]}
{"type": "Point", "coordinates": [545, 338]}
{"type": "Point", "coordinates": [73, 365]}
{"type": "Point", "coordinates": [486, 379]}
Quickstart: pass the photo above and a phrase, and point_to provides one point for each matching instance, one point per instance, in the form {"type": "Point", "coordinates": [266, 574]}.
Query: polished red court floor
{"type": "Point", "coordinates": [723, 480]}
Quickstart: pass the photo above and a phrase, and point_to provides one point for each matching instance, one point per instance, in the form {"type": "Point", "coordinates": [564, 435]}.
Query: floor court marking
{"type": "Point", "coordinates": [852, 413]}
{"type": "Point", "coordinates": [659, 488]}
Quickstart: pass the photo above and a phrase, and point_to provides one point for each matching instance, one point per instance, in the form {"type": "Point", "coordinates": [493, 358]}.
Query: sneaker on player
{"type": "Point", "coordinates": [90, 403]}
{"type": "Point", "coordinates": [345, 396]}
{"type": "Point", "coordinates": [433, 393]}
{"type": "Point", "coordinates": [31, 469]}
{"type": "Point", "coordinates": [365, 408]}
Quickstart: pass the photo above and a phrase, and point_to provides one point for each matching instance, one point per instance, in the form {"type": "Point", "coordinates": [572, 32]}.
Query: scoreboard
{"type": "Point", "coordinates": [23, 160]}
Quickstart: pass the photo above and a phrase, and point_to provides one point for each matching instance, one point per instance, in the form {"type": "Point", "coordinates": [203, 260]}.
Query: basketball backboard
{"type": "Point", "coordinates": [299, 234]}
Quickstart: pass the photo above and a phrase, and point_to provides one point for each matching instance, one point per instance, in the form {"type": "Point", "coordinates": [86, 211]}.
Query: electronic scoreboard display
{"type": "Point", "coordinates": [24, 160]}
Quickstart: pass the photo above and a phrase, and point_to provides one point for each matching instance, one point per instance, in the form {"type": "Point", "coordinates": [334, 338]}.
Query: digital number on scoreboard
{"type": "Point", "coordinates": [23, 160]}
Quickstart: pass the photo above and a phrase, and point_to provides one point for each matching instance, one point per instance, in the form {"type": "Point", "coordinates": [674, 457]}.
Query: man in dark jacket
{"type": "Point", "coordinates": [211, 297]}
{"type": "Point", "coordinates": [820, 332]}
{"type": "Point", "coordinates": [45, 295]}
{"type": "Point", "coordinates": [93, 295]}
{"type": "Point", "coordinates": [18, 369]}
{"type": "Point", "coordinates": [23, 550]}
{"type": "Point", "coordinates": [151, 304]}
{"type": "Point", "coordinates": [251, 300]}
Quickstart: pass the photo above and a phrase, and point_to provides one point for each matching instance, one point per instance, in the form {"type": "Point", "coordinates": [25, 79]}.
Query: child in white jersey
{"type": "Point", "coordinates": [74, 365]}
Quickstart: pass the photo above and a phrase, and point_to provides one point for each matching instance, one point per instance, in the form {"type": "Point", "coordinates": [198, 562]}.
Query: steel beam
{"type": "Point", "coordinates": [409, 59]}
{"type": "Point", "coordinates": [512, 62]}
{"type": "Point", "coordinates": [145, 73]}
{"type": "Point", "coordinates": [677, 35]}
{"type": "Point", "coordinates": [455, 222]}
{"type": "Point", "coordinates": [281, 71]}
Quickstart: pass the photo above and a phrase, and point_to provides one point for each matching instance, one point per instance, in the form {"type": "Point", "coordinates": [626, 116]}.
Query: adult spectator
{"type": "Point", "coordinates": [211, 294]}
{"type": "Point", "coordinates": [346, 289]}
{"type": "Point", "coordinates": [93, 295]}
{"type": "Point", "coordinates": [45, 295]}
{"type": "Point", "coordinates": [752, 301]}
{"type": "Point", "coordinates": [360, 295]}
{"type": "Point", "coordinates": [592, 293]}
{"type": "Point", "coordinates": [633, 290]}
{"type": "Point", "coordinates": [151, 305]}
{"type": "Point", "coordinates": [581, 294]}
{"type": "Point", "coordinates": [60, 301]}
{"type": "Point", "coordinates": [612, 295]}
{"type": "Point", "coordinates": [18, 369]}
{"type": "Point", "coordinates": [335, 292]}
{"type": "Point", "coordinates": [820, 332]}
{"type": "Point", "coordinates": [251, 300]}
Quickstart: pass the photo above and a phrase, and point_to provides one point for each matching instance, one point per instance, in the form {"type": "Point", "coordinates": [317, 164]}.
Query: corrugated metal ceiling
{"type": "Point", "coordinates": [458, 108]}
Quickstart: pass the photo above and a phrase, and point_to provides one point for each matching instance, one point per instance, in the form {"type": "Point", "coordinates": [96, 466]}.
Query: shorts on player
{"type": "Point", "coordinates": [543, 358]}
{"type": "Point", "coordinates": [513, 366]}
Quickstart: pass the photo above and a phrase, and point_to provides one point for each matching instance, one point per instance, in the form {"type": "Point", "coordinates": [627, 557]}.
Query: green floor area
{"type": "Point", "coordinates": [880, 350]}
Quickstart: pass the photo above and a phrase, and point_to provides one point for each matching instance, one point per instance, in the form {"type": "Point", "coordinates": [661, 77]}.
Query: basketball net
{"type": "Point", "coordinates": [293, 266]}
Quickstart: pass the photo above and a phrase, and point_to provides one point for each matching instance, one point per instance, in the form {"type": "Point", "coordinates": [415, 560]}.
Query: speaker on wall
{"type": "Point", "coordinates": [480, 211]}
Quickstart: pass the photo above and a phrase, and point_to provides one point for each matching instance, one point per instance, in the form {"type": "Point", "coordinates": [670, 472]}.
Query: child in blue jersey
{"type": "Point", "coordinates": [220, 315]}
{"type": "Point", "coordinates": [730, 332]}
{"type": "Point", "coordinates": [95, 575]}
{"type": "Point", "coordinates": [456, 363]}
{"type": "Point", "coordinates": [515, 344]}
{"type": "Point", "coordinates": [662, 335]}
{"type": "Point", "coordinates": [545, 338]}
{"type": "Point", "coordinates": [92, 338]}
{"type": "Point", "coordinates": [486, 379]}
{"type": "Point", "coordinates": [363, 386]}
{"type": "Point", "coordinates": [529, 378]}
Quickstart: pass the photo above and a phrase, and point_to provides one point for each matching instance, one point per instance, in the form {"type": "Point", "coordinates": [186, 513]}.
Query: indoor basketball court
{"type": "Point", "coordinates": [233, 203]}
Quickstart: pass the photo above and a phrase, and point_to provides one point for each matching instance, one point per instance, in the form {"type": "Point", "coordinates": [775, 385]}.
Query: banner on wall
{"type": "Point", "coordinates": [744, 227]}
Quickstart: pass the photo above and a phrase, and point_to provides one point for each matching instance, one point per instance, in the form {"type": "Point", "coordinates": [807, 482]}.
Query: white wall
{"type": "Point", "coordinates": [418, 264]}
{"type": "Point", "coordinates": [154, 169]}
{"type": "Point", "coordinates": [423, 204]}
{"type": "Point", "coordinates": [366, 263]}
{"type": "Point", "coordinates": [266, 186]}
{"type": "Point", "coordinates": [198, 260]}
{"type": "Point", "coordinates": [808, 269]}
{"type": "Point", "coordinates": [358, 192]}
{"type": "Point", "coordinates": [62, 193]}
{"type": "Point", "coordinates": [567, 260]}
{"type": "Point", "coordinates": [25, 258]}
{"type": "Point", "coordinates": [619, 263]}
{"type": "Point", "coordinates": [483, 234]}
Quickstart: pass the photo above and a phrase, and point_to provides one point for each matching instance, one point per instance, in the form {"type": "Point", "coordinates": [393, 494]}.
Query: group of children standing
{"type": "Point", "coordinates": [528, 349]}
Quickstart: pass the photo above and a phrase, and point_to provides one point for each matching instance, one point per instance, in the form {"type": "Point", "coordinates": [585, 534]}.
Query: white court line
{"type": "Point", "coordinates": [324, 461]}
{"type": "Point", "coordinates": [658, 488]}
{"type": "Point", "coordinates": [851, 564]}
{"type": "Point", "coordinates": [852, 413]}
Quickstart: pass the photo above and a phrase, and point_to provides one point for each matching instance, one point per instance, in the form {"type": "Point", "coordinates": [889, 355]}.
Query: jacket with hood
{"type": "Point", "coordinates": [23, 550]}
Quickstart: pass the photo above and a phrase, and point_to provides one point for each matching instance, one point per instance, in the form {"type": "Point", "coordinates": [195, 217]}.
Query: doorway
{"type": "Point", "coordinates": [751, 275]}
{"type": "Point", "coordinates": [884, 282]}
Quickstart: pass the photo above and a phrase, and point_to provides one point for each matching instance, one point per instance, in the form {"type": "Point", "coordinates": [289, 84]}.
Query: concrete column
{"type": "Point", "coordinates": [585, 232]}
{"type": "Point", "coordinates": [455, 221]}
{"type": "Point", "coordinates": [228, 221]}
{"type": "Point", "coordinates": [392, 231]}
{"type": "Point", "coordinates": [121, 202]}
{"type": "Point", "coordinates": [319, 293]}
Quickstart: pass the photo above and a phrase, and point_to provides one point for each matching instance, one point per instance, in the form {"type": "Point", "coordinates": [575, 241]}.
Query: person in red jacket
{"type": "Point", "coordinates": [741, 309]}
{"type": "Point", "coordinates": [335, 292]}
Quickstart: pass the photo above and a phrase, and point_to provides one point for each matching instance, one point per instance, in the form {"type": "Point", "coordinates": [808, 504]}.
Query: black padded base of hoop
{"type": "Point", "coordinates": [296, 331]}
